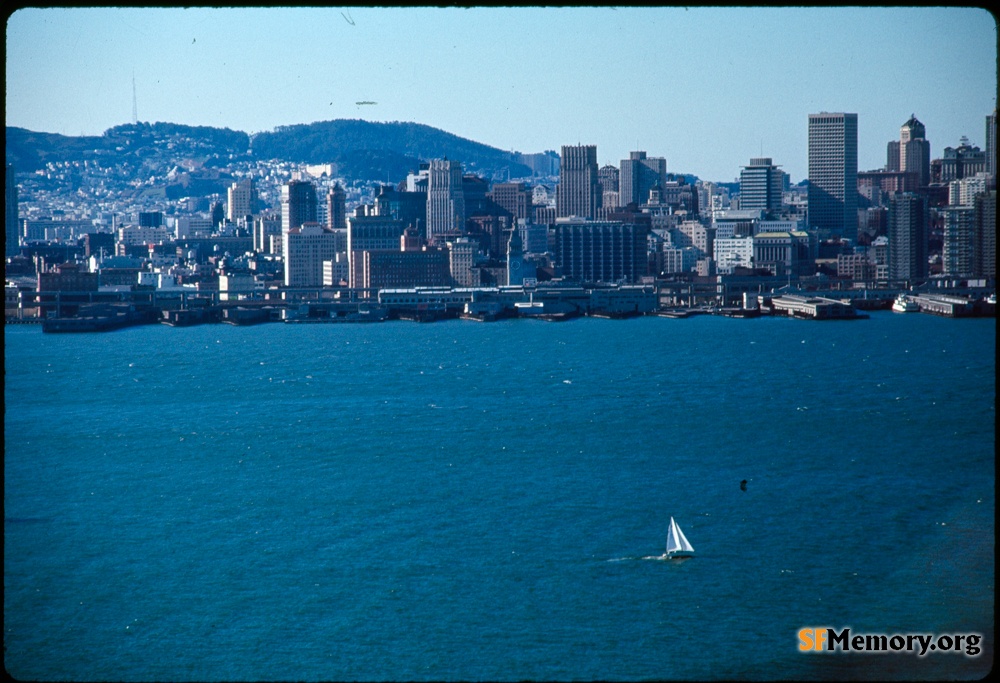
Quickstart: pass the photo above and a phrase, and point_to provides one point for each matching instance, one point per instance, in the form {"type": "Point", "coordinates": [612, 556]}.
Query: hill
{"type": "Point", "coordinates": [361, 150]}
{"type": "Point", "coordinates": [130, 143]}
{"type": "Point", "coordinates": [369, 150]}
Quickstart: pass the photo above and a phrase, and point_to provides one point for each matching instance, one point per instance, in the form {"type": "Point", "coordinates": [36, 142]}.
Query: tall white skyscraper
{"type": "Point", "coordinates": [445, 200]}
{"type": "Point", "coordinates": [833, 174]}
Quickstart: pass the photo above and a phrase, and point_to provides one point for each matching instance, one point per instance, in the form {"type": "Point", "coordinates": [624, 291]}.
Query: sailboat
{"type": "Point", "coordinates": [677, 543]}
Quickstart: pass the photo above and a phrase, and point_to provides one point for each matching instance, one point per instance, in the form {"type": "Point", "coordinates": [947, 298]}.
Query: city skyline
{"type": "Point", "coordinates": [706, 88]}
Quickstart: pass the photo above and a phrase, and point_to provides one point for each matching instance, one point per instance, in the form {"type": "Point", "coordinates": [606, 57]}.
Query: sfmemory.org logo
{"type": "Point", "coordinates": [828, 640]}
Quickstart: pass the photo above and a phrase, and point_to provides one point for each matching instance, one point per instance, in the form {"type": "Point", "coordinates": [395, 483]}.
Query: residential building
{"type": "Point", "coordinates": [985, 235]}
{"type": "Point", "coordinates": [963, 192]}
{"type": "Point", "coordinates": [958, 251]}
{"type": "Point", "coordinates": [908, 231]}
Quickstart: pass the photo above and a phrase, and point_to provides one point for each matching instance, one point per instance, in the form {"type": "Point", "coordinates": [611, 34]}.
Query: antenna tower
{"type": "Point", "coordinates": [135, 111]}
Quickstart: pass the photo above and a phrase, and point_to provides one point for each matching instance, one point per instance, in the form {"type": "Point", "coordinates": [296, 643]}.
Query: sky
{"type": "Point", "coordinates": [707, 88]}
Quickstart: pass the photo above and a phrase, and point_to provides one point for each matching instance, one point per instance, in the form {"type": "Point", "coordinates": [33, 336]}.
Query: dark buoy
{"type": "Point", "coordinates": [743, 485]}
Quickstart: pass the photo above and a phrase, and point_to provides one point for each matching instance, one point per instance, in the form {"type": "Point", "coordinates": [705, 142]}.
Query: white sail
{"type": "Point", "coordinates": [676, 541]}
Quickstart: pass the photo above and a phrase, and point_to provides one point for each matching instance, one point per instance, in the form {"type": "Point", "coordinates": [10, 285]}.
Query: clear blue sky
{"type": "Point", "coordinates": [706, 88]}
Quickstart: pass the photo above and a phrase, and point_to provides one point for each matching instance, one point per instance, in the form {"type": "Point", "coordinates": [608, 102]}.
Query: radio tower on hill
{"type": "Point", "coordinates": [135, 111]}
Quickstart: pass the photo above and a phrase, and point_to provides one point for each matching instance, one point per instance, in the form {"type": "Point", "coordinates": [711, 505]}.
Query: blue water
{"type": "Point", "coordinates": [469, 501]}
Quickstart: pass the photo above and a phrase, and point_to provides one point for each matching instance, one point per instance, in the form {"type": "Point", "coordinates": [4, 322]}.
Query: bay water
{"type": "Point", "coordinates": [486, 501]}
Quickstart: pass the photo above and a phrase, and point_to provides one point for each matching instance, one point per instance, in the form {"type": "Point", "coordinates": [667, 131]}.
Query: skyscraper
{"type": "Point", "coordinates": [892, 156]}
{"type": "Point", "coordinates": [833, 174]}
{"type": "Point", "coordinates": [915, 151]}
{"type": "Point", "coordinates": [445, 200]}
{"type": "Point", "coordinates": [991, 143]}
{"type": "Point", "coordinates": [638, 175]}
{"type": "Point", "coordinates": [298, 204]}
{"type": "Point", "coordinates": [985, 235]}
{"type": "Point", "coordinates": [336, 208]}
{"type": "Point", "coordinates": [909, 225]}
{"type": "Point", "coordinates": [242, 200]}
{"type": "Point", "coordinates": [985, 238]}
{"type": "Point", "coordinates": [12, 230]}
{"type": "Point", "coordinates": [761, 186]}
{"type": "Point", "coordinates": [958, 255]}
{"type": "Point", "coordinates": [579, 190]}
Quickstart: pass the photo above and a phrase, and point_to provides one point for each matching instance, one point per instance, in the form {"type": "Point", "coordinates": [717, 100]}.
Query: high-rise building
{"type": "Point", "coordinates": [963, 161]}
{"type": "Point", "coordinates": [963, 192]}
{"type": "Point", "coordinates": [958, 249]}
{"type": "Point", "coordinates": [304, 249]}
{"type": "Point", "coordinates": [515, 198]}
{"type": "Point", "coordinates": [833, 174]}
{"type": "Point", "coordinates": [370, 233]}
{"type": "Point", "coordinates": [608, 176]}
{"type": "Point", "coordinates": [892, 156]}
{"type": "Point", "coordinates": [638, 175]}
{"type": "Point", "coordinates": [991, 143]}
{"type": "Point", "coordinates": [242, 200]}
{"type": "Point", "coordinates": [267, 234]}
{"type": "Point", "coordinates": [600, 251]}
{"type": "Point", "coordinates": [336, 208]}
{"type": "Point", "coordinates": [908, 228]}
{"type": "Point", "coordinates": [298, 204]}
{"type": "Point", "coordinates": [445, 200]}
{"type": "Point", "coordinates": [462, 254]}
{"type": "Point", "coordinates": [403, 205]}
{"type": "Point", "coordinates": [579, 192]}
{"type": "Point", "coordinates": [761, 186]}
{"type": "Point", "coordinates": [985, 236]}
{"type": "Point", "coordinates": [915, 150]}
{"type": "Point", "coordinates": [11, 224]}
